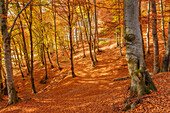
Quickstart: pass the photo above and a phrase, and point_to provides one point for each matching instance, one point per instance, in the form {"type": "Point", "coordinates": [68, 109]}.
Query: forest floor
{"type": "Point", "coordinates": [94, 90]}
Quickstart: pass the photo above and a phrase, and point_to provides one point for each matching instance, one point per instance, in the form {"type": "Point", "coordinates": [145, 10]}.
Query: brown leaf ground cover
{"type": "Point", "coordinates": [92, 91]}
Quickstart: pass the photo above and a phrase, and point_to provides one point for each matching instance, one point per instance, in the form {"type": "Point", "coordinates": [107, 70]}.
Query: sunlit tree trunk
{"type": "Point", "coordinates": [156, 65]}
{"type": "Point", "coordinates": [148, 29]}
{"type": "Point", "coordinates": [166, 59]}
{"type": "Point", "coordinates": [140, 78]}
{"type": "Point", "coordinates": [12, 95]}
{"type": "Point", "coordinates": [162, 22]}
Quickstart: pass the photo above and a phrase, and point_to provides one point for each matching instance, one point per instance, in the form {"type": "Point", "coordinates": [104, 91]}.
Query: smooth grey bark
{"type": "Point", "coordinates": [162, 23]}
{"type": "Point", "coordinates": [12, 95]}
{"type": "Point", "coordinates": [156, 66]}
{"type": "Point", "coordinates": [148, 29]}
{"type": "Point", "coordinates": [166, 60]}
{"type": "Point", "coordinates": [140, 78]}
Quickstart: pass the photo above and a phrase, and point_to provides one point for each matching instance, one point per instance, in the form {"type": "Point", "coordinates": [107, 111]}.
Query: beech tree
{"type": "Point", "coordinates": [140, 79]}
{"type": "Point", "coordinates": [12, 95]}
{"type": "Point", "coordinates": [166, 60]}
{"type": "Point", "coordinates": [156, 65]}
{"type": "Point", "coordinates": [148, 29]}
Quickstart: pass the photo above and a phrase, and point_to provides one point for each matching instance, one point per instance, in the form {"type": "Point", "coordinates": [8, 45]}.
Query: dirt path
{"type": "Point", "coordinates": [92, 91]}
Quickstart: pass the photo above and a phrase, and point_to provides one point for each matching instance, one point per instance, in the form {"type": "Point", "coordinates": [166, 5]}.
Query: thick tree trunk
{"type": "Point", "coordinates": [140, 78]}
{"type": "Point", "coordinates": [166, 60]}
{"type": "Point", "coordinates": [12, 95]}
{"type": "Point", "coordinates": [148, 29]}
{"type": "Point", "coordinates": [156, 65]}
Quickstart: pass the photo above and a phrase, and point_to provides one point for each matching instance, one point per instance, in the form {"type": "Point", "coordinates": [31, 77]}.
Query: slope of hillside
{"type": "Point", "coordinates": [96, 90]}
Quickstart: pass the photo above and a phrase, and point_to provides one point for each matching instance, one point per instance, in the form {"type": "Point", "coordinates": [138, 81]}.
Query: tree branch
{"type": "Point", "coordinates": [17, 18]}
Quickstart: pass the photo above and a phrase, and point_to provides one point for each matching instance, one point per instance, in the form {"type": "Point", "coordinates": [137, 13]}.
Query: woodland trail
{"type": "Point", "coordinates": [92, 91]}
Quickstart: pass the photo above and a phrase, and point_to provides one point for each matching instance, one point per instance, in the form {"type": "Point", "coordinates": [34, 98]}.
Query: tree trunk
{"type": "Point", "coordinates": [156, 65]}
{"type": "Point", "coordinates": [41, 35]}
{"type": "Point", "coordinates": [96, 25]}
{"type": "Point", "coordinates": [1, 83]}
{"type": "Point", "coordinates": [56, 44]}
{"type": "Point", "coordinates": [166, 60]}
{"type": "Point", "coordinates": [48, 55]}
{"type": "Point", "coordinates": [45, 61]}
{"type": "Point", "coordinates": [24, 42]}
{"type": "Point", "coordinates": [90, 35]}
{"type": "Point", "coordinates": [119, 31]}
{"type": "Point", "coordinates": [12, 95]}
{"type": "Point", "coordinates": [18, 60]}
{"type": "Point", "coordinates": [71, 43]}
{"type": "Point", "coordinates": [140, 16]}
{"type": "Point", "coordinates": [81, 38]}
{"type": "Point", "coordinates": [134, 52]}
{"type": "Point", "coordinates": [148, 29]}
{"type": "Point", "coordinates": [77, 44]}
{"type": "Point", "coordinates": [162, 22]}
{"type": "Point", "coordinates": [32, 55]}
